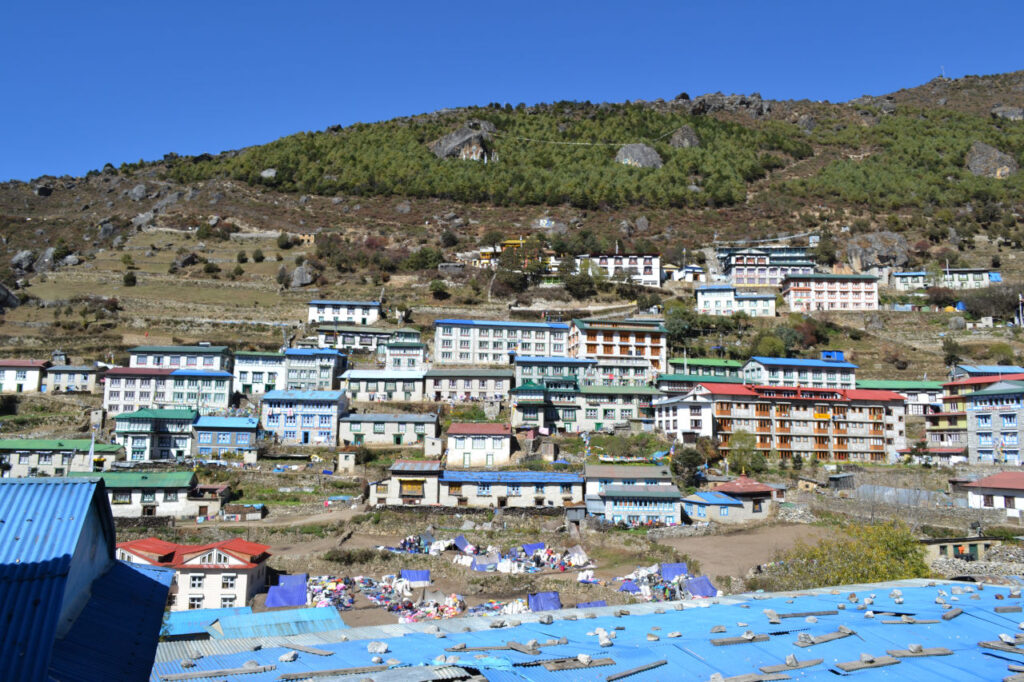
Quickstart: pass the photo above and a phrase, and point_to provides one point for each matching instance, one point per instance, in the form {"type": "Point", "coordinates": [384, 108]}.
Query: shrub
{"type": "Point", "coordinates": [257, 256]}
{"type": "Point", "coordinates": [129, 279]}
{"type": "Point", "coordinates": [241, 257]}
{"type": "Point", "coordinates": [211, 268]}
{"type": "Point", "coordinates": [284, 241]}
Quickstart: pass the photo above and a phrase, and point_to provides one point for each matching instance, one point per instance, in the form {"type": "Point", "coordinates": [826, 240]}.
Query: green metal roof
{"type": "Point", "coordinates": [528, 386]}
{"type": "Point", "coordinates": [897, 384]}
{"type": "Point", "coordinates": [472, 372]}
{"type": "Point", "coordinates": [77, 444]}
{"type": "Point", "coordinates": [700, 378]}
{"type": "Point", "coordinates": [707, 362]}
{"type": "Point", "coordinates": [405, 344]}
{"type": "Point", "coordinates": [619, 390]}
{"type": "Point", "coordinates": [178, 349]}
{"type": "Point", "coordinates": [142, 479]}
{"type": "Point", "coordinates": [1008, 388]}
{"type": "Point", "coordinates": [620, 325]}
{"type": "Point", "coordinates": [159, 414]}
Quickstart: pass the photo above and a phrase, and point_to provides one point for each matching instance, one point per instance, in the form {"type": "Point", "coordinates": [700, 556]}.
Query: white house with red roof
{"type": "Point", "coordinates": [22, 376]}
{"type": "Point", "coordinates": [999, 491]}
{"type": "Point", "coordinates": [217, 575]}
{"type": "Point", "coordinates": [472, 445]}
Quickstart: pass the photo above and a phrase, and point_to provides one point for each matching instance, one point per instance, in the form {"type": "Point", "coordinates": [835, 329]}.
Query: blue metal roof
{"type": "Point", "coordinates": [995, 277]}
{"type": "Point", "coordinates": [312, 351]}
{"type": "Point", "coordinates": [510, 477]}
{"type": "Point", "coordinates": [275, 623]}
{"type": "Point", "coordinates": [226, 423]}
{"type": "Point", "coordinates": [41, 523]}
{"type": "Point", "coordinates": [353, 303]}
{"type": "Point", "coordinates": [916, 273]}
{"type": "Point", "coordinates": [550, 360]}
{"type": "Point", "coordinates": [318, 396]}
{"type": "Point", "coordinates": [194, 621]}
{"type": "Point", "coordinates": [796, 362]}
{"type": "Point", "coordinates": [713, 498]}
{"type": "Point", "coordinates": [201, 373]}
{"type": "Point", "coordinates": [503, 323]}
{"type": "Point", "coordinates": [716, 287]}
{"type": "Point", "coordinates": [992, 369]}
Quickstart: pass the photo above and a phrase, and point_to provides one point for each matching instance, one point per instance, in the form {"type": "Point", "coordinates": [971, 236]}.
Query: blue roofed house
{"type": "Point", "coordinates": [495, 489]}
{"type": "Point", "coordinates": [830, 371]}
{"type": "Point", "coordinates": [220, 436]}
{"type": "Point", "coordinates": [303, 417]}
{"type": "Point", "coordinates": [68, 609]}
{"type": "Point", "coordinates": [971, 371]}
{"type": "Point", "coordinates": [713, 506]}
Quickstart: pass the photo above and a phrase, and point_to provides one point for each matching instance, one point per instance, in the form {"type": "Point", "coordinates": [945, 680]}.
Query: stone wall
{"type": "Point", "coordinates": [950, 517]}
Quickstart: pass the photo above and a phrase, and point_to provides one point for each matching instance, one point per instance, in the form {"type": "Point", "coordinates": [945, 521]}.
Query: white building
{"type": "Point", "coordinates": [258, 372]}
{"type": "Point", "coordinates": [22, 376]}
{"type": "Point", "coordinates": [819, 291]}
{"type": "Point", "coordinates": [149, 434]}
{"type": "Point", "coordinates": [201, 356]}
{"type": "Point", "coordinates": [600, 476]}
{"type": "Point", "coordinates": [412, 482]}
{"type": "Point", "coordinates": [999, 491]}
{"type": "Point", "coordinates": [725, 300]}
{"type": "Point", "coordinates": [684, 418]}
{"type": "Point", "coordinates": [351, 338]}
{"type": "Point", "coordinates": [641, 268]}
{"type": "Point", "coordinates": [127, 389]}
{"type": "Point", "coordinates": [488, 342]}
{"type": "Point", "coordinates": [353, 312]}
{"type": "Point", "coordinates": [402, 430]}
{"type": "Point", "coordinates": [468, 384]}
{"type": "Point", "coordinates": [609, 339]}
{"type": "Point", "coordinates": [22, 457]}
{"type": "Point", "coordinates": [479, 445]}
{"type": "Point", "coordinates": [512, 489]}
{"type": "Point", "coordinates": [831, 371]}
{"type": "Point", "coordinates": [303, 417]}
{"type": "Point", "coordinates": [224, 574]}
{"type": "Point", "coordinates": [381, 385]}
{"type": "Point", "coordinates": [71, 379]}
{"type": "Point", "coordinates": [950, 278]}
{"type": "Point", "coordinates": [172, 494]}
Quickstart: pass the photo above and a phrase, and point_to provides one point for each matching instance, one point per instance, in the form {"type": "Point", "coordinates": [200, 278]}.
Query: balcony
{"type": "Point", "coordinates": [782, 429]}
{"type": "Point", "coordinates": [821, 430]}
{"type": "Point", "coordinates": [723, 412]}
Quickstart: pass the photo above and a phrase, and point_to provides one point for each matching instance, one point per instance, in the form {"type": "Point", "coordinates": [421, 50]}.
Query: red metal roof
{"type": "Point", "coordinates": [985, 380]}
{"type": "Point", "coordinates": [467, 429]}
{"type": "Point", "coordinates": [728, 389]}
{"type": "Point", "coordinates": [744, 486]}
{"type": "Point", "coordinates": [171, 555]}
{"type": "Point", "coordinates": [1007, 480]}
{"type": "Point", "coordinates": [23, 363]}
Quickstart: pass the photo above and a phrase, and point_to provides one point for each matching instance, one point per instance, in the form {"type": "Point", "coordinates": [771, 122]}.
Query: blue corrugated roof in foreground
{"type": "Point", "coordinates": [797, 362]}
{"type": "Point", "coordinates": [992, 369]}
{"type": "Point", "coordinates": [329, 396]}
{"type": "Point", "coordinates": [503, 323]}
{"type": "Point", "coordinates": [194, 621]}
{"type": "Point", "coordinates": [692, 655]}
{"type": "Point", "coordinates": [41, 521]}
{"type": "Point", "coordinates": [510, 477]}
{"type": "Point", "coordinates": [275, 623]}
{"type": "Point", "coordinates": [226, 423]}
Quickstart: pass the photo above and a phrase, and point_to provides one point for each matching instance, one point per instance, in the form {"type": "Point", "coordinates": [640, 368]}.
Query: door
{"type": "Point", "coordinates": [358, 438]}
{"type": "Point", "coordinates": [305, 437]}
{"type": "Point", "coordinates": [203, 510]}
{"type": "Point", "coordinates": [246, 388]}
{"type": "Point", "coordinates": [398, 438]}
{"type": "Point", "coordinates": [149, 510]}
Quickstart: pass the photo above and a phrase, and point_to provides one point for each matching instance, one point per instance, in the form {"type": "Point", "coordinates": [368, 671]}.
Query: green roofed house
{"type": "Point", "coordinates": [165, 493]}
{"type": "Point", "coordinates": [20, 457]}
{"type": "Point", "coordinates": [922, 396]}
{"type": "Point", "coordinates": [683, 383]}
{"type": "Point", "coordinates": [707, 367]}
{"type": "Point", "coordinates": [155, 434]}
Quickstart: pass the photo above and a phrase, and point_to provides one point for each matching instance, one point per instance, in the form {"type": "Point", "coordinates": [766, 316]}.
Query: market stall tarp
{"type": "Point", "coordinates": [701, 587]}
{"type": "Point", "coordinates": [416, 578]}
{"type": "Point", "coordinates": [290, 591]}
{"type": "Point", "coordinates": [544, 601]}
{"type": "Point", "coordinates": [462, 543]}
{"type": "Point", "coordinates": [671, 571]}
{"type": "Point", "coordinates": [629, 586]}
{"type": "Point", "coordinates": [591, 604]}
{"type": "Point", "coordinates": [531, 547]}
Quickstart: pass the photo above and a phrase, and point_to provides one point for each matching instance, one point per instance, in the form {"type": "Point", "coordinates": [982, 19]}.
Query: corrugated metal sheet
{"type": "Point", "coordinates": [40, 524]}
{"type": "Point", "coordinates": [275, 623]}
{"type": "Point", "coordinates": [194, 621]}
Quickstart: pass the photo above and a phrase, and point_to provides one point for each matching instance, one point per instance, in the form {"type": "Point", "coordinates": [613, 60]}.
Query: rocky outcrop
{"type": "Point", "coordinates": [639, 155]}
{"type": "Point", "coordinates": [7, 298]}
{"type": "Point", "coordinates": [751, 105]}
{"type": "Point", "coordinates": [23, 260]}
{"type": "Point", "coordinates": [268, 173]}
{"type": "Point", "coordinates": [137, 193]}
{"type": "Point", "coordinates": [469, 142]}
{"type": "Point", "coordinates": [45, 262]}
{"type": "Point", "coordinates": [303, 276]}
{"type": "Point", "coordinates": [185, 260]}
{"type": "Point", "coordinates": [987, 161]}
{"type": "Point", "coordinates": [806, 123]}
{"type": "Point", "coordinates": [684, 138]}
{"type": "Point", "coordinates": [1008, 113]}
{"type": "Point", "coordinates": [876, 249]}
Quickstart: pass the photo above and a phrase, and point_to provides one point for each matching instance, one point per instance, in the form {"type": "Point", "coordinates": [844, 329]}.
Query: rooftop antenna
{"type": "Point", "coordinates": [943, 69]}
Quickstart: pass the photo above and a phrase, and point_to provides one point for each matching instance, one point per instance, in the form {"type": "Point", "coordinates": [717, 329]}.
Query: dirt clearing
{"type": "Point", "coordinates": [736, 553]}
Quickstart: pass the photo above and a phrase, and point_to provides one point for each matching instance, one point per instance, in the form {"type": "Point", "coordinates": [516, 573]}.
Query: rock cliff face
{"type": "Point", "coordinates": [708, 104]}
{"type": "Point", "coordinates": [468, 142]}
{"type": "Point", "coordinates": [986, 160]}
{"type": "Point", "coordinates": [876, 249]}
{"type": "Point", "coordinates": [639, 155]}
{"type": "Point", "coordinates": [684, 138]}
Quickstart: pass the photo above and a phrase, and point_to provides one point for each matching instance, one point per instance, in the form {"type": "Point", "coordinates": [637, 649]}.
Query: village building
{"type": "Point", "coordinates": [948, 278]}
{"type": "Point", "coordinates": [150, 434]}
{"type": "Point", "coordinates": [757, 498]}
{"type": "Point", "coordinates": [711, 505]}
{"type": "Point", "coordinates": [684, 418]}
{"type": "Point", "coordinates": [622, 370]}
{"type": "Point", "coordinates": [407, 430]}
{"type": "Point", "coordinates": [604, 407]}
{"type": "Point", "coordinates": [71, 379]}
{"type": "Point", "coordinates": [127, 389]}
{"type": "Point", "coordinates": [819, 291]}
{"type": "Point", "coordinates": [637, 505]}
{"type": "Point", "coordinates": [221, 574]}
{"type": "Point", "coordinates": [995, 424]}
{"type": "Point", "coordinates": [201, 356]}
{"type": "Point", "coordinates": [922, 396]}
{"type": "Point", "coordinates": [257, 372]}
{"type": "Point", "coordinates": [609, 339]}
{"type": "Point", "coordinates": [225, 436]}
{"type": "Point", "coordinates": [21, 457]}
{"type": "Point", "coordinates": [313, 369]}
{"type": "Point", "coordinates": [353, 312]}
{"type": "Point", "coordinates": [537, 368]}
{"type": "Point", "coordinates": [1000, 491]}
{"type": "Point", "coordinates": [468, 384]}
{"type": "Point", "coordinates": [303, 417]}
{"type": "Point", "coordinates": [724, 300]}
{"type": "Point", "coordinates": [640, 268]}
{"type": "Point", "coordinates": [552, 404]}
{"type": "Point", "coordinates": [600, 476]}
{"type": "Point", "coordinates": [479, 445]}
{"type": "Point", "coordinates": [412, 482]}
{"type": "Point", "coordinates": [174, 494]}
{"type": "Point", "coordinates": [22, 376]}
{"type": "Point", "coordinates": [718, 368]}
{"type": "Point", "coordinates": [831, 371]}
{"type": "Point", "coordinates": [509, 489]}
{"type": "Point", "coordinates": [763, 265]}
{"type": "Point", "coordinates": [351, 338]}
{"type": "Point", "coordinates": [973, 548]}
{"type": "Point", "coordinates": [981, 371]}
{"type": "Point", "coordinates": [675, 384]}
{"type": "Point", "coordinates": [489, 342]}
{"type": "Point", "coordinates": [384, 385]}
{"type": "Point", "coordinates": [404, 355]}
{"type": "Point", "coordinates": [947, 428]}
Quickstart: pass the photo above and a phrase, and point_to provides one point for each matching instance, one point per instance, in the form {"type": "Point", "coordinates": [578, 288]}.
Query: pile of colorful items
{"type": "Point", "coordinates": [666, 582]}
{"type": "Point", "coordinates": [433, 609]}
{"type": "Point", "coordinates": [499, 608]}
{"type": "Point", "coordinates": [326, 590]}
{"type": "Point", "coordinates": [384, 593]}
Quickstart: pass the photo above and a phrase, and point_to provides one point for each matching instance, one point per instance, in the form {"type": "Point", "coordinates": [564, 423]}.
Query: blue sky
{"type": "Point", "coordinates": [84, 84]}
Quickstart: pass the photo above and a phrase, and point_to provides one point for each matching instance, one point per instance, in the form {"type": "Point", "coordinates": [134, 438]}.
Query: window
{"type": "Point", "coordinates": [242, 439]}
{"type": "Point", "coordinates": [1009, 420]}
{"type": "Point", "coordinates": [567, 489]}
{"type": "Point", "coordinates": [121, 498]}
{"type": "Point", "coordinates": [378, 427]}
{"type": "Point", "coordinates": [483, 489]}
{"type": "Point", "coordinates": [195, 582]}
{"type": "Point", "coordinates": [170, 496]}
{"type": "Point", "coordinates": [227, 581]}
{"type": "Point", "coordinates": [1009, 502]}
{"type": "Point", "coordinates": [988, 501]}
{"type": "Point", "coordinates": [195, 602]}
{"type": "Point", "coordinates": [356, 427]}
{"type": "Point", "coordinates": [227, 601]}
{"type": "Point", "coordinates": [224, 438]}
{"type": "Point", "coordinates": [723, 511]}
{"type": "Point", "coordinates": [479, 442]}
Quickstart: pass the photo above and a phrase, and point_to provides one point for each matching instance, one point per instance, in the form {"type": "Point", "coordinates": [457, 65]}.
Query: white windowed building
{"type": "Point", "coordinates": [726, 301]}
{"type": "Point", "coordinates": [201, 356]}
{"type": "Point", "coordinates": [353, 312]}
{"type": "Point", "coordinates": [641, 268]}
{"type": "Point", "coordinates": [684, 418]}
{"type": "Point", "coordinates": [479, 445]}
{"type": "Point", "coordinates": [489, 342]}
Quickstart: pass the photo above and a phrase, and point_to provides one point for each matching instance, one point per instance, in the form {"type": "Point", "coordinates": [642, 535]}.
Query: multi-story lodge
{"type": "Point", "coordinates": [303, 417]}
{"type": "Point", "coordinates": [995, 423]}
{"type": "Point", "coordinates": [37, 457]}
{"type": "Point", "coordinates": [721, 299]}
{"type": "Point", "coordinates": [351, 338]}
{"type": "Point", "coordinates": [820, 291]}
{"type": "Point", "coordinates": [489, 342]}
{"type": "Point", "coordinates": [134, 388]}
{"type": "Point", "coordinates": [380, 385]}
{"type": "Point", "coordinates": [949, 278]}
{"type": "Point", "coordinates": [220, 436]}
{"type": "Point", "coordinates": [922, 396]}
{"type": "Point", "coordinates": [816, 423]}
{"type": "Point", "coordinates": [763, 265]}
{"type": "Point", "coordinates": [201, 356]}
{"type": "Point", "coordinates": [684, 418]}
{"type": "Point", "coordinates": [257, 372]}
{"type": "Point", "coordinates": [947, 428]}
{"type": "Point", "coordinates": [148, 434]}
{"type": "Point", "coordinates": [353, 312]}
{"type": "Point", "coordinates": [831, 371]}
{"type": "Point", "coordinates": [640, 268]}
{"type": "Point", "coordinates": [609, 339]}
{"type": "Point", "coordinates": [468, 384]}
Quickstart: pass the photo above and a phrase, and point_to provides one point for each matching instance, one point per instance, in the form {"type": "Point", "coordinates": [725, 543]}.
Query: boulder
{"type": "Point", "coordinates": [875, 249]}
{"type": "Point", "coordinates": [987, 161]}
{"type": "Point", "coordinates": [302, 276]}
{"type": "Point", "coordinates": [684, 138]}
{"type": "Point", "coordinates": [137, 193]}
{"type": "Point", "coordinates": [304, 199]}
{"type": "Point", "coordinates": [642, 224]}
{"type": "Point", "coordinates": [468, 142]}
{"type": "Point", "coordinates": [213, 220]}
{"type": "Point", "coordinates": [45, 261]}
{"type": "Point", "coordinates": [403, 207]}
{"type": "Point", "coordinates": [626, 228]}
{"type": "Point", "coordinates": [1008, 113]}
{"type": "Point", "coordinates": [23, 260]}
{"type": "Point", "coordinates": [43, 190]}
{"type": "Point", "coordinates": [957, 323]}
{"type": "Point", "coordinates": [268, 173]}
{"type": "Point", "coordinates": [639, 155]}
{"type": "Point", "coordinates": [185, 260]}
{"type": "Point", "coordinates": [70, 259]}
{"type": "Point", "coordinates": [106, 229]}
{"type": "Point", "coordinates": [806, 123]}
{"type": "Point", "coordinates": [168, 201]}
{"type": "Point", "coordinates": [143, 219]}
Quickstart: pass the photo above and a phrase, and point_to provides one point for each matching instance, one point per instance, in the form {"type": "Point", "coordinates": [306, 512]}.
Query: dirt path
{"type": "Point", "coordinates": [737, 553]}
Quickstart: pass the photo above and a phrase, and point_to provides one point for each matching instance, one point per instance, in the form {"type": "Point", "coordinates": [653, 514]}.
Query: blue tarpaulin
{"type": "Point", "coordinates": [529, 548]}
{"type": "Point", "coordinates": [629, 586]}
{"type": "Point", "coordinates": [591, 604]}
{"type": "Point", "coordinates": [670, 571]}
{"type": "Point", "coordinates": [417, 578]}
{"type": "Point", "coordinates": [701, 587]}
{"type": "Point", "coordinates": [289, 591]}
{"type": "Point", "coordinates": [461, 542]}
{"type": "Point", "coordinates": [544, 601]}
